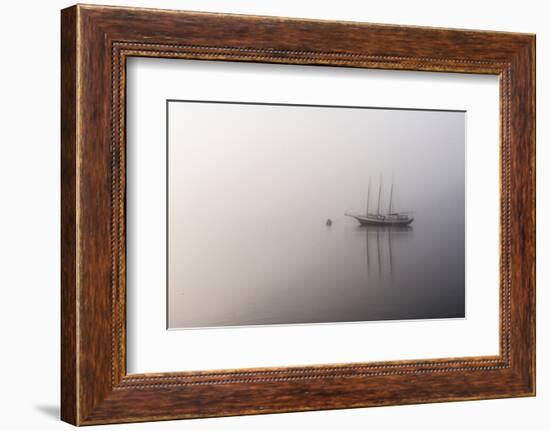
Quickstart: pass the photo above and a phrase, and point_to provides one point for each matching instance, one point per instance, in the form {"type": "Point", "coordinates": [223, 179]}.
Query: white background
{"type": "Point", "coordinates": [29, 228]}
{"type": "Point", "coordinates": [153, 349]}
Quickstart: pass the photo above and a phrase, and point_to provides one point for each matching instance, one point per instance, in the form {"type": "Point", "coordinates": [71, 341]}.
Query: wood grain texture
{"type": "Point", "coordinates": [96, 41]}
{"type": "Point", "coordinates": [69, 397]}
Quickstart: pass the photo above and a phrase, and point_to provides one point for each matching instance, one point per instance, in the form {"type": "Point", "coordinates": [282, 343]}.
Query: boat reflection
{"type": "Point", "coordinates": [376, 237]}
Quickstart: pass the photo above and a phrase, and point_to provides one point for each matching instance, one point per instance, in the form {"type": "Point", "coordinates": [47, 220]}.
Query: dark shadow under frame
{"type": "Point", "coordinates": [95, 386]}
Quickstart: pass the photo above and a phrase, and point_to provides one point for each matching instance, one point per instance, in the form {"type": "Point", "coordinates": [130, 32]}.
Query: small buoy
{"type": "Point", "coordinates": [329, 222]}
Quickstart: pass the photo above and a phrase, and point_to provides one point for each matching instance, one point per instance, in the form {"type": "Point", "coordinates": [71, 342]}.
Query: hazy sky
{"type": "Point", "coordinates": [249, 171]}
{"type": "Point", "coordinates": [259, 161]}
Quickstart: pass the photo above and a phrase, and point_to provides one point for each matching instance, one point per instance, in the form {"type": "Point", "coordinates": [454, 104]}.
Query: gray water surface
{"type": "Point", "coordinates": [341, 273]}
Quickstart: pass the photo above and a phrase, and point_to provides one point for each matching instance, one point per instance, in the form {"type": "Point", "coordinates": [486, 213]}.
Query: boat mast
{"type": "Point", "coordinates": [379, 194]}
{"type": "Point", "coordinates": [391, 197]}
{"type": "Point", "coordinates": [368, 197]}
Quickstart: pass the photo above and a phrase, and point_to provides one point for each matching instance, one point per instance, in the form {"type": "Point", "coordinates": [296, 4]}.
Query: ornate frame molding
{"type": "Point", "coordinates": [96, 41]}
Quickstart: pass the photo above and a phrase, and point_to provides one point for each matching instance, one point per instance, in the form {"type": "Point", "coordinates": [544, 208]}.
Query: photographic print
{"type": "Point", "coordinates": [283, 214]}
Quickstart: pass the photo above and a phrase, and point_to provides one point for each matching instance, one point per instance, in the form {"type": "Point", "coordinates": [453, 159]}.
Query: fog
{"type": "Point", "coordinates": [251, 186]}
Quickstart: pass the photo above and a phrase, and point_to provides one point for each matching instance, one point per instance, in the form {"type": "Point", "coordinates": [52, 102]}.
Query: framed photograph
{"type": "Point", "coordinates": [264, 214]}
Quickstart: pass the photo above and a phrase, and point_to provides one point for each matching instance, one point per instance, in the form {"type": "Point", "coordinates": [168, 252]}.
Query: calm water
{"type": "Point", "coordinates": [317, 273]}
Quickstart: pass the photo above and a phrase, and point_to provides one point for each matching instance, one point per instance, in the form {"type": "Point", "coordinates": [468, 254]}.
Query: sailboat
{"type": "Point", "coordinates": [392, 218]}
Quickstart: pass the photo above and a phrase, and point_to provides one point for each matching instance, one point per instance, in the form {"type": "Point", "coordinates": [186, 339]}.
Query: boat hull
{"type": "Point", "coordinates": [382, 221]}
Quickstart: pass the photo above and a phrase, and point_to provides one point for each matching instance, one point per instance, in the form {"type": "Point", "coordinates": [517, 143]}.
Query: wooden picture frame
{"type": "Point", "coordinates": [95, 43]}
